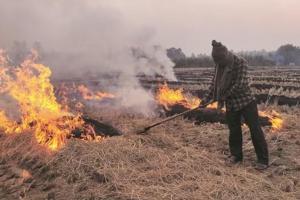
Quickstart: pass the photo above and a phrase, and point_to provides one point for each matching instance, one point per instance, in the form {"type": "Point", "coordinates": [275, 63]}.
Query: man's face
{"type": "Point", "coordinates": [221, 59]}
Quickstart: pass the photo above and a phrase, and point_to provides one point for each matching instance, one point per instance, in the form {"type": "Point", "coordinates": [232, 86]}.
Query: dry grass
{"type": "Point", "coordinates": [177, 160]}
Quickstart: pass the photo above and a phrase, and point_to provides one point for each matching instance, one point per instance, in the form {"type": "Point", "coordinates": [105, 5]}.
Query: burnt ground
{"type": "Point", "coordinates": [178, 160]}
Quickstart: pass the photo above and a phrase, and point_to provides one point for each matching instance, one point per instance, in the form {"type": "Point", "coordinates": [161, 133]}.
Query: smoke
{"type": "Point", "coordinates": [80, 38]}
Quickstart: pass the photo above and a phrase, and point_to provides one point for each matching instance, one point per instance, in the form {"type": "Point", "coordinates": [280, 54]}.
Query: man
{"type": "Point", "coordinates": [230, 86]}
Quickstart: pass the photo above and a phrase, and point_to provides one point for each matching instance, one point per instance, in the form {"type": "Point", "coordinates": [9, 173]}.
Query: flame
{"type": "Point", "coordinates": [29, 84]}
{"type": "Point", "coordinates": [90, 95]}
{"type": "Point", "coordinates": [7, 125]}
{"type": "Point", "coordinates": [168, 97]}
{"type": "Point", "coordinates": [62, 93]}
{"type": "Point", "coordinates": [275, 117]}
{"type": "Point", "coordinates": [214, 106]}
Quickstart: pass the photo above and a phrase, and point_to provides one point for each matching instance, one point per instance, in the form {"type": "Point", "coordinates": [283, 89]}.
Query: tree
{"type": "Point", "coordinates": [287, 54]}
{"type": "Point", "coordinates": [175, 54]}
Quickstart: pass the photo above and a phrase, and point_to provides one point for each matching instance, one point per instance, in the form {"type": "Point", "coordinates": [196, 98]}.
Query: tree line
{"type": "Point", "coordinates": [285, 55]}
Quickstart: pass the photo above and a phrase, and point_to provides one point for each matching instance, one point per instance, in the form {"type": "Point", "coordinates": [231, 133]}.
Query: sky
{"type": "Point", "coordinates": [192, 24]}
{"type": "Point", "coordinates": [187, 24]}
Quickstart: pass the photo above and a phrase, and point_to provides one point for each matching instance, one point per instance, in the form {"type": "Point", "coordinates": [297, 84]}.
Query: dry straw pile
{"type": "Point", "coordinates": [175, 161]}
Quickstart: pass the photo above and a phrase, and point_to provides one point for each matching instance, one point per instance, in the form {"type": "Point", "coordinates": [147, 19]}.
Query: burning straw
{"type": "Point", "coordinates": [29, 86]}
{"type": "Point", "coordinates": [169, 98]}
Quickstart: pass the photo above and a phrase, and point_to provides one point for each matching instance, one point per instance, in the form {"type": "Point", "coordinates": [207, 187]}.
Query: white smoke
{"type": "Point", "coordinates": [82, 37]}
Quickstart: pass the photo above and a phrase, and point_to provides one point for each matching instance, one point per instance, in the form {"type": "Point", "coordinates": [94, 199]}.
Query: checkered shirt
{"type": "Point", "coordinates": [238, 95]}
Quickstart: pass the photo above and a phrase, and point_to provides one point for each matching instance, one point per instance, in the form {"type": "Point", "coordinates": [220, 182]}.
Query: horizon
{"type": "Point", "coordinates": [241, 51]}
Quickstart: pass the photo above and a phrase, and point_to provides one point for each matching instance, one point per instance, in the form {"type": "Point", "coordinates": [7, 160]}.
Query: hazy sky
{"type": "Point", "coordinates": [192, 24]}
{"type": "Point", "coordinates": [188, 24]}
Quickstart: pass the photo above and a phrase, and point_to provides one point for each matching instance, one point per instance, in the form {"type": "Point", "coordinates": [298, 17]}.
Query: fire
{"type": "Point", "coordinates": [214, 106]}
{"type": "Point", "coordinates": [168, 97]}
{"type": "Point", "coordinates": [7, 125]}
{"type": "Point", "coordinates": [29, 85]}
{"type": "Point", "coordinates": [90, 95]}
{"type": "Point", "coordinates": [276, 119]}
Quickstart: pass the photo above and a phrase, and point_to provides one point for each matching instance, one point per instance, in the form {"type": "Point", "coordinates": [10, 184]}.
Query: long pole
{"type": "Point", "coordinates": [143, 131]}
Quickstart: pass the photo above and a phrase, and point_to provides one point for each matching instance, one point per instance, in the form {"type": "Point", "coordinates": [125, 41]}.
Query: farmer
{"type": "Point", "coordinates": [230, 86]}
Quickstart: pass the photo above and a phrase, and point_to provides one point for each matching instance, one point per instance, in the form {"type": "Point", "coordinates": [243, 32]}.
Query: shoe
{"type": "Point", "coordinates": [233, 160]}
{"type": "Point", "coordinates": [261, 166]}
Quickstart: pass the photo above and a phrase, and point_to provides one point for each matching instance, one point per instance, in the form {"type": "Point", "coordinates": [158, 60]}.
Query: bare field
{"type": "Point", "coordinates": [177, 160]}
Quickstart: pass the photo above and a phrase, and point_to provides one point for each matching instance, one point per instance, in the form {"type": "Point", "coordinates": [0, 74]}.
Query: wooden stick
{"type": "Point", "coordinates": [143, 131]}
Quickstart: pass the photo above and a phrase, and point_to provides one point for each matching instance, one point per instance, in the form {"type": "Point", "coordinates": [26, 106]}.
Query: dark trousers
{"type": "Point", "coordinates": [250, 115]}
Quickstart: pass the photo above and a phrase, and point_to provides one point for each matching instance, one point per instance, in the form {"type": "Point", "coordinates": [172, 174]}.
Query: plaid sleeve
{"type": "Point", "coordinates": [240, 82]}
